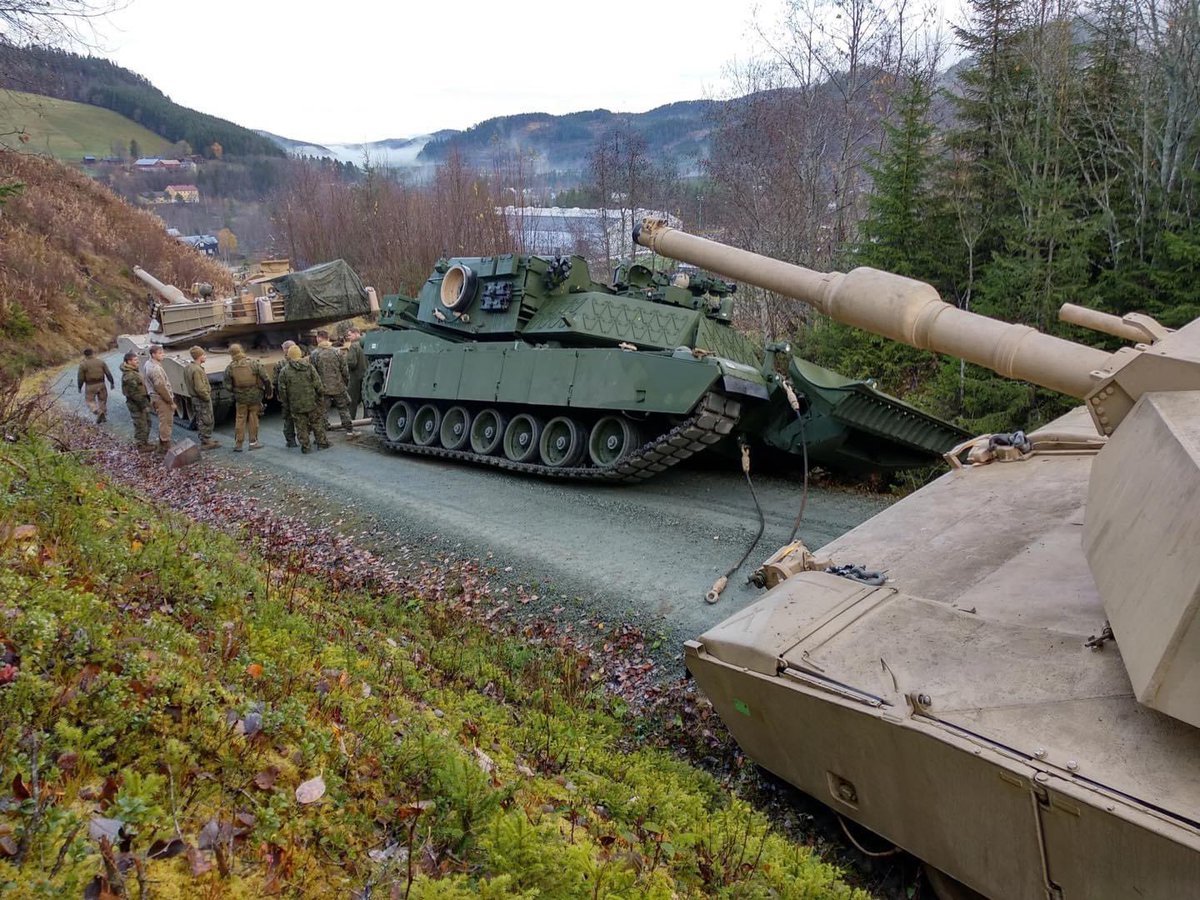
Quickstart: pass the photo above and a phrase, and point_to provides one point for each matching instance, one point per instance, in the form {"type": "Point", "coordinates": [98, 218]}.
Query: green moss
{"type": "Point", "coordinates": [169, 679]}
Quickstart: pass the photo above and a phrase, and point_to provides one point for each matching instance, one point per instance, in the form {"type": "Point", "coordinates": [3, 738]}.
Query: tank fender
{"type": "Point", "coordinates": [739, 378]}
{"type": "Point", "coordinates": [732, 384]}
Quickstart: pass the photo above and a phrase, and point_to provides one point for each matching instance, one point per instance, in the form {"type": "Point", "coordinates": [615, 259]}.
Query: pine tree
{"type": "Point", "coordinates": [906, 231]}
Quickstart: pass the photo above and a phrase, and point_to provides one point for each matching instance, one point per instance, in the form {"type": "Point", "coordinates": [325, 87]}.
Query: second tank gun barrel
{"type": "Point", "coordinates": [897, 307]}
{"type": "Point", "coordinates": [168, 292]}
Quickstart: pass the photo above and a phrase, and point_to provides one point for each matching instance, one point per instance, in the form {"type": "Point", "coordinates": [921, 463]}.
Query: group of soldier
{"type": "Point", "coordinates": [307, 386]}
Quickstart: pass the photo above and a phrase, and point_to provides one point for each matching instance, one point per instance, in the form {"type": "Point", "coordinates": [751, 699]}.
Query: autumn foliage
{"type": "Point", "coordinates": [391, 232]}
{"type": "Point", "coordinates": [67, 250]}
{"type": "Point", "coordinates": [187, 715]}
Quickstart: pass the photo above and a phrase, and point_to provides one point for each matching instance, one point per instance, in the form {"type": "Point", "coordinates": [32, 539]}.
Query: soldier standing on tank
{"type": "Point", "coordinates": [300, 390]}
{"type": "Point", "coordinates": [356, 362]}
{"type": "Point", "coordinates": [289, 425]}
{"type": "Point", "coordinates": [330, 364]}
{"type": "Point", "coordinates": [197, 381]}
{"type": "Point", "coordinates": [137, 401]}
{"type": "Point", "coordinates": [93, 372]}
{"type": "Point", "coordinates": [249, 383]}
{"type": "Point", "coordinates": [158, 386]}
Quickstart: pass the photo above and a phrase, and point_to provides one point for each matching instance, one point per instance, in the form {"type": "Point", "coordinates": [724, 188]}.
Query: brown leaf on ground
{"type": "Point", "coordinates": [411, 810]}
{"type": "Point", "coordinates": [265, 780]}
{"type": "Point", "coordinates": [311, 791]}
{"type": "Point", "coordinates": [198, 863]}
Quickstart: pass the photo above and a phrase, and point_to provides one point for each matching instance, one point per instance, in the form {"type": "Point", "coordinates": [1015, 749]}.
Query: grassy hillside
{"type": "Point", "coordinates": [100, 82]}
{"type": "Point", "coordinates": [185, 715]}
{"type": "Point", "coordinates": [67, 250]}
{"type": "Point", "coordinates": [68, 131]}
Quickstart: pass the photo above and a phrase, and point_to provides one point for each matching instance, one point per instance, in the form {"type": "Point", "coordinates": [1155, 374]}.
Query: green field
{"type": "Point", "coordinates": [69, 131]}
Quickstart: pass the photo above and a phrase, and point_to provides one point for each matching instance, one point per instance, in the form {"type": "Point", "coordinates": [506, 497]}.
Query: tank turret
{"type": "Point", "coordinates": [1021, 636]}
{"type": "Point", "coordinates": [1162, 649]}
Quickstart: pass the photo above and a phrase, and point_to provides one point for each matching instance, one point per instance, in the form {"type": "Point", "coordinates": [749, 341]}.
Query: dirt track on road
{"type": "Point", "coordinates": [643, 554]}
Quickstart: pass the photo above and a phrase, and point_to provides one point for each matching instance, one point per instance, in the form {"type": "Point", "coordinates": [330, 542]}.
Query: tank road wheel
{"type": "Point", "coordinates": [521, 438]}
{"type": "Point", "coordinates": [398, 424]}
{"type": "Point", "coordinates": [426, 424]}
{"type": "Point", "coordinates": [456, 428]}
{"type": "Point", "coordinates": [563, 443]}
{"type": "Point", "coordinates": [487, 432]}
{"type": "Point", "coordinates": [612, 439]}
{"type": "Point", "coordinates": [185, 412]}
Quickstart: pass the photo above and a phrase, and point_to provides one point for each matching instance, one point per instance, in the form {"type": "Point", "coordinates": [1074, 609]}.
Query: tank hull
{"type": "Point", "coordinates": [958, 710]}
{"type": "Point", "coordinates": [974, 810]}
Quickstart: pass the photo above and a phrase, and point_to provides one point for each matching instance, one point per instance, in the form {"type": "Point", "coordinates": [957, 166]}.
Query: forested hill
{"type": "Point", "coordinates": [678, 130]}
{"type": "Point", "coordinates": [99, 82]}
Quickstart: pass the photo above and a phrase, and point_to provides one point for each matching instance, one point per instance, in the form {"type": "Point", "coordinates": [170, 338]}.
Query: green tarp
{"type": "Point", "coordinates": [327, 291]}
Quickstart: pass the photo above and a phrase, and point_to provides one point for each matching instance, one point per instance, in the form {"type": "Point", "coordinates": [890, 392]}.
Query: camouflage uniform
{"type": "Point", "coordinates": [249, 383]}
{"type": "Point", "coordinates": [356, 362]}
{"type": "Point", "coordinates": [93, 372]}
{"type": "Point", "coordinates": [331, 366]}
{"type": "Point", "coordinates": [197, 381]}
{"type": "Point", "coordinates": [137, 401]}
{"type": "Point", "coordinates": [300, 389]}
{"type": "Point", "coordinates": [289, 424]}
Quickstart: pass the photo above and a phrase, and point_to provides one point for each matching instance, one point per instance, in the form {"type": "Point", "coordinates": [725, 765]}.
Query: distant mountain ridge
{"type": "Point", "coordinates": [680, 131]}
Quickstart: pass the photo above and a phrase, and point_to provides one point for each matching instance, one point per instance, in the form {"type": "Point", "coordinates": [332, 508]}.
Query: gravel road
{"type": "Point", "coordinates": [643, 554]}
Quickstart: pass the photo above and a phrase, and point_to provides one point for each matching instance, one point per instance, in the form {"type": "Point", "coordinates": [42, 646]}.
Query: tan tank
{"type": "Point", "coordinates": [269, 307]}
{"type": "Point", "coordinates": [1018, 704]}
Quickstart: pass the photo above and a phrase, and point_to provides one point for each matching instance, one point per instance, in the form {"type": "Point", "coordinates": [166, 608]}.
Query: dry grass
{"type": "Point", "coordinates": [67, 250]}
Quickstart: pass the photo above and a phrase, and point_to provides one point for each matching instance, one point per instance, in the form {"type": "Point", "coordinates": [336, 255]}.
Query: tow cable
{"type": "Point", "coordinates": [714, 593]}
{"type": "Point", "coordinates": [794, 402]}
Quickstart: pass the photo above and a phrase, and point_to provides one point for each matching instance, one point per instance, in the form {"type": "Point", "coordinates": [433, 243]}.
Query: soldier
{"type": "Point", "coordinates": [93, 372]}
{"type": "Point", "coordinates": [331, 366]}
{"type": "Point", "coordinates": [300, 391]}
{"type": "Point", "coordinates": [154, 378]}
{"type": "Point", "coordinates": [289, 426]}
{"type": "Point", "coordinates": [246, 379]}
{"type": "Point", "coordinates": [197, 381]}
{"type": "Point", "coordinates": [356, 362]}
{"type": "Point", "coordinates": [137, 401]}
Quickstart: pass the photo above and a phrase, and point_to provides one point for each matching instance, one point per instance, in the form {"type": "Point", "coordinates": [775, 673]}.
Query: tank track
{"type": "Point", "coordinates": [712, 419]}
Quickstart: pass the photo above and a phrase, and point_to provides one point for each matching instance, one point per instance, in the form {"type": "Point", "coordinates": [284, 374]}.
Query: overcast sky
{"type": "Point", "coordinates": [363, 70]}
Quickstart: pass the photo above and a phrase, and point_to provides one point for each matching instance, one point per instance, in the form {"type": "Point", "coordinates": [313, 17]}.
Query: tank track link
{"type": "Point", "coordinates": [712, 419]}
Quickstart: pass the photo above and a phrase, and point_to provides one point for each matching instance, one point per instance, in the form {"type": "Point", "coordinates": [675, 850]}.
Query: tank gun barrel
{"type": "Point", "coordinates": [900, 308]}
{"type": "Point", "coordinates": [1132, 327]}
{"type": "Point", "coordinates": [168, 292]}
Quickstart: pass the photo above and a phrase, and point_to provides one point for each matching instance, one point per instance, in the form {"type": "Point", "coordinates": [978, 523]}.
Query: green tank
{"type": "Point", "coordinates": [526, 363]}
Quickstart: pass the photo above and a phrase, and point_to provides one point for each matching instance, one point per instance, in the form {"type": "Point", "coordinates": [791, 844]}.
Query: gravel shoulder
{"type": "Point", "coordinates": [643, 554]}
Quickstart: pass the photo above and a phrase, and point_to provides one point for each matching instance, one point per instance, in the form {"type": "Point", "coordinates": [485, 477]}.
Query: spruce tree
{"type": "Point", "coordinates": [906, 231]}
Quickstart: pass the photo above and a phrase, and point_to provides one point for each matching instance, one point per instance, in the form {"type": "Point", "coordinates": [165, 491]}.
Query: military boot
{"type": "Point", "coordinates": [209, 444]}
{"type": "Point", "coordinates": [162, 448]}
